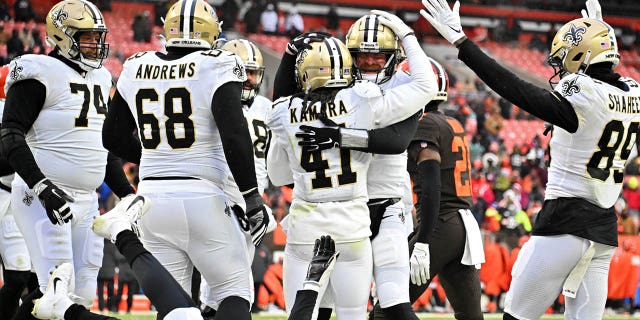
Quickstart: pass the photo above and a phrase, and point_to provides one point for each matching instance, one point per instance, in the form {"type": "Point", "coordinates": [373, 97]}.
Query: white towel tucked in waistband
{"type": "Point", "coordinates": [473, 249]}
{"type": "Point", "coordinates": [572, 283]}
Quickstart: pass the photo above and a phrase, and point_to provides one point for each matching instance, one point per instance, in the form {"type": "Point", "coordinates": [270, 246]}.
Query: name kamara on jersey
{"type": "Point", "coordinates": [311, 113]}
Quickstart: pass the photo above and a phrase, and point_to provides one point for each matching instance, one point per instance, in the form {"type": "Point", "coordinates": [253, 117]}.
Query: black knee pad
{"type": "Point", "coordinates": [401, 311]}
{"type": "Point", "coordinates": [16, 279]}
{"type": "Point", "coordinates": [234, 308]}
{"type": "Point", "coordinates": [324, 313]}
{"type": "Point", "coordinates": [507, 316]}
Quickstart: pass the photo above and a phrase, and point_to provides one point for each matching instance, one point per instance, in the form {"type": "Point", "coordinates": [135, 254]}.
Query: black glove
{"type": "Point", "coordinates": [55, 201]}
{"type": "Point", "coordinates": [303, 41]}
{"type": "Point", "coordinates": [323, 261]}
{"type": "Point", "coordinates": [548, 128]}
{"type": "Point", "coordinates": [257, 216]}
{"type": "Point", "coordinates": [315, 138]}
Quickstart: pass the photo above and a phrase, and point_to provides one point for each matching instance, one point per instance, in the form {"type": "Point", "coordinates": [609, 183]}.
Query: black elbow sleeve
{"type": "Point", "coordinates": [11, 139]}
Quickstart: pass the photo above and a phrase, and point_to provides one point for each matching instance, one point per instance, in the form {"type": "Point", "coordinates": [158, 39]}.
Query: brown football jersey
{"type": "Point", "coordinates": [446, 136]}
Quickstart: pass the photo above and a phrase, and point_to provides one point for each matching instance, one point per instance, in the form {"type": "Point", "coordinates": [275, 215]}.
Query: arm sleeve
{"type": "Point", "coordinates": [285, 83]}
{"type": "Point", "coordinates": [547, 105]}
{"type": "Point", "coordinates": [24, 101]}
{"type": "Point", "coordinates": [115, 177]}
{"type": "Point", "coordinates": [118, 131]}
{"type": "Point", "coordinates": [5, 168]}
{"type": "Point", "coordinates": [393, 139]}
{"type": "Point", "coordinates": [234, 133]}
{"type": "Point", "coordinates": [429, 171]}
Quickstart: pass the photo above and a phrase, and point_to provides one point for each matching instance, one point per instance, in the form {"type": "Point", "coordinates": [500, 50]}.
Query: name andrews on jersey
{"type": "Point", "coordinates": [311, 113]}
{"type": "Point", "coordinates": [176, 71]}
{"type": "Point", "coordinates": [624, 104]}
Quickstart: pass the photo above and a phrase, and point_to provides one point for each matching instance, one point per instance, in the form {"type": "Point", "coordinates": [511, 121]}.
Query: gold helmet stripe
{"type": "Point", "coordinates": [186, 17]}
{"type": "Point", "coordinates": [336, 57]}
{"type": "Point", "coordinates": [251, 54]}
{"type": "Point", "coordinates": [371, 25]}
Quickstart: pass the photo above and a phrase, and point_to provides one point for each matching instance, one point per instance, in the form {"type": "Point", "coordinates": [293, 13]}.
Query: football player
{"type": "Point", "coordinates": [330, 185]}
{"type": "Point", "coordinates": [377, 52]}
{"type": "Point", "coordinates": [13, 249]}
{"type": "Point", "coordinates": [165, 293]}
{"type": "Point", "coordinates": [447, 242]}
{"type": "Point", "coordinates": [51, 133]}
{"type": "Point", "coordinates": [596, 120]}
{"type": "Point", "coordinates": [187, 107]}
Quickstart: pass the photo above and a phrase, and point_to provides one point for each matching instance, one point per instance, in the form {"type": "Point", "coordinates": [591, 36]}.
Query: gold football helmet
{"type": "Point", "coordinates": [253, 64]}
{"type": "Point", "coordinates": [581, 43]}
{"type": "Point", "coordinates": [191, 24]}
{"type": "Point", "coordinates": [368, 35]}
{"type": "Point", "coordinates": [326, 65]}
{"type": "Point", "coordinates": [66, 21]}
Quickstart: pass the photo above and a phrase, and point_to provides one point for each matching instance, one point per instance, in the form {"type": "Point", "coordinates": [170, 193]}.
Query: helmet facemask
{"type": "Point", "coordinates": [251, 88]}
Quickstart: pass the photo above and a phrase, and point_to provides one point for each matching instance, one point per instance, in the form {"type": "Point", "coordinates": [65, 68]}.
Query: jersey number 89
{"type": "Point", "coordinates": [609, 151]}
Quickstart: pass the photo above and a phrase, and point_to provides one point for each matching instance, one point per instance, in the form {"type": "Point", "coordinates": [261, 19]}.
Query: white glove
{"type": "Point", "coordinates": [594, 11]}
{"type": "Point", "coordinates": [419, 264]}
{"type": "Point", "coordinates": [394, 23]}
{"type": "Point", "coordinates": [443, 19]}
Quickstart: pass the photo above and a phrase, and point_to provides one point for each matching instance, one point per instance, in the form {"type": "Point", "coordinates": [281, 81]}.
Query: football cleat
{"type": "Point", "coordinates": [123, 216]}
{"type": "Point", "coordinates": [55, 301]}
{"type": "Point", "coordinates": [322, 263]}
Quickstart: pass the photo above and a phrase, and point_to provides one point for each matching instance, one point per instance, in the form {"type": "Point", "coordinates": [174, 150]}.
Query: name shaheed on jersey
{"type": "Point", "coordinates": [624, 103]}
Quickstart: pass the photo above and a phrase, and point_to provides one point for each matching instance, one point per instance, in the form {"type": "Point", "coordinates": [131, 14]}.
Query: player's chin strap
{"type": "Point", "coordinates": [572, 283]}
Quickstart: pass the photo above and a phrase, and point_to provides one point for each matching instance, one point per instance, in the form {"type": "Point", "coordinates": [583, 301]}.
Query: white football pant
{"type": "Point", "coordinates": [539, 273]}
{"type": "Point", "coordinates": [186, 228]}
{"type": "Point", "coordinates": [391, 258]}
{"type": "Point", "coordinates": [13, 248]}
{"type": "Point", "coordinates": [349, 283]}
{"type": "Point", "coordinates": [50, 245]}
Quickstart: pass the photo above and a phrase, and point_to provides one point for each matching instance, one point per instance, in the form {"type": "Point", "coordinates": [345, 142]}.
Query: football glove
{"type": "Point", "coordinates": [54, 201]}
{"type": "Point", "coordinates": [419, 264]}
{"type": "Point", "coordinates": [257, 216]}
{"type": "Point", "coordinates": [303, 41]}
{"type": "Point", "coordinates": [443, 19]}
{"type": "Point", "coordinates": [394, 23]}
{"type": "Point", "coordinates": [594, 11]}
{"type": "Point", "coordinates": [316, 138]}
{"type": "Point", "coordinates": [322, 263]}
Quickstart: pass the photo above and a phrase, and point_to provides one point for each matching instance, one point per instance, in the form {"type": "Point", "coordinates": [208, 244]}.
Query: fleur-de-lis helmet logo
{"type": "Point", "coordinates": [574, 35]}
{"type": "Point", "coordinates": [57, 16]}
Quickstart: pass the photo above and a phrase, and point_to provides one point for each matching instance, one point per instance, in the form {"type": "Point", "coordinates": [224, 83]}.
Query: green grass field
{"type": "Point", "coordinates": [421, 316]}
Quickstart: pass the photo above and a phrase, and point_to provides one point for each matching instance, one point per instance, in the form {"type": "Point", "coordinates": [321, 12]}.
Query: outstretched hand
{"type": "Point", "coordinates": [594, 11]}
{"type": "Point", "coordinates": [444, 19]}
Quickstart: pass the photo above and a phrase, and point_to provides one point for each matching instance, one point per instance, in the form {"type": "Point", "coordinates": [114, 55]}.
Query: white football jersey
{"type": "Point", "coordinates": [589, 163]}
{"type": "Point", "coordinates": [332, 175]}
{"type": "Point", "coordinates": [171, 103]}
{"type": "Point", "coordinates": [336, 177]}
{"type": "Point", "coordinates": [66, 138]}
{"type": "Point", "coordinates": [388, 172]}
{"type": "Point", "coordinates": [255, 115]}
